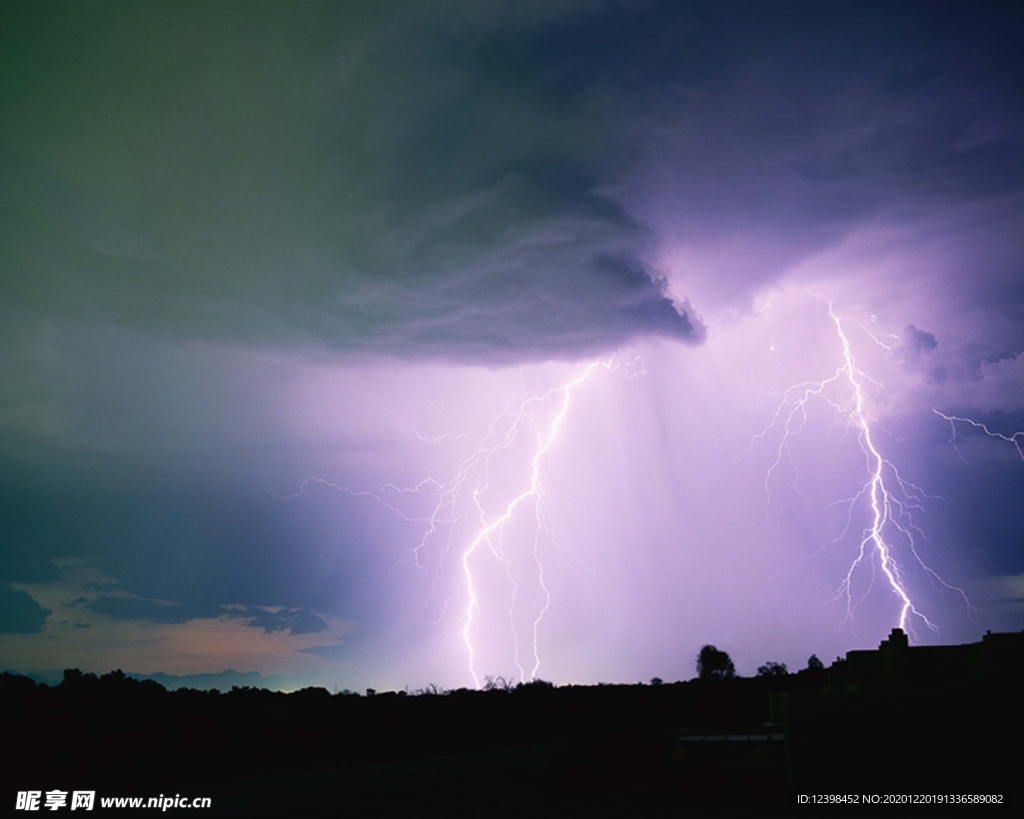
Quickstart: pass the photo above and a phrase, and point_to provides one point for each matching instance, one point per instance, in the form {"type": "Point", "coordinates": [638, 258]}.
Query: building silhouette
{"type": "Point", "coordinates": [902, 716]}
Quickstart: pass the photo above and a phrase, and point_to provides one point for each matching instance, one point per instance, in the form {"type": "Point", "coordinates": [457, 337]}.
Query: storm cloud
{"type": "Point", "coordinates": [374, 180]}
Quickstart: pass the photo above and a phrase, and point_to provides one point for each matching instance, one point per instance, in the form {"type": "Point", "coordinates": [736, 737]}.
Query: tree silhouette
{"type": "Point", "coordinates": [814, 664]}
{"type": "Point", "coordinates": [713, 664]}
{"type": "Point", "coordinates": [771, 669]}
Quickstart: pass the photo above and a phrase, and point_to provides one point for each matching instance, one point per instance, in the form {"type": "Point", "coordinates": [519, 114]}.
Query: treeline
{"type": "Point", "coordinates": [136, 734]}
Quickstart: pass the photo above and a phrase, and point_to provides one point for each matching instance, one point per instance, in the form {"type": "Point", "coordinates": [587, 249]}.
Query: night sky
{"type": "Point", "coordinates": [402, 343]}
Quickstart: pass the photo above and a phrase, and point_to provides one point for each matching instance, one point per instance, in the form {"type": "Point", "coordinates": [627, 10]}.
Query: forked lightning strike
{"type": "Point", "coordinates": [467, 496]}
{"type": "Point", "coordinates": [888, 497]}
{"type": "Point", "coordinates": [534, 493]}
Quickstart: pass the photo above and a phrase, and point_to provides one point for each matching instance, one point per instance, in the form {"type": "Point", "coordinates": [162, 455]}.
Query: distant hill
{"type": "Point", "coordinates": [222, 681]}
{"type": "Point", "coordinates": [40, 677]}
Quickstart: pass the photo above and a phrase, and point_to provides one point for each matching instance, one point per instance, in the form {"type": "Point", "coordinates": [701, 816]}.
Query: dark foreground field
{"type": "Point", "coordinates": [693, 748]}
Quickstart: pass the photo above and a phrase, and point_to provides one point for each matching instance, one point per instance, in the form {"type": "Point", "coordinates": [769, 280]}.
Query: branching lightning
{"type": "Point", "coordinates": [1014, 439]}
{"type": "Point", "coordinates": [886, 498]}
{"type": "Point", "coordinates": [469, 517]}
{"type": "Point", "coordinates": [490, 533]}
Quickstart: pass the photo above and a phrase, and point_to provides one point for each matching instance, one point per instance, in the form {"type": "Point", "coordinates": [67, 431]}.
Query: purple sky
{"type": "Point", "coordinates": [249, 245]}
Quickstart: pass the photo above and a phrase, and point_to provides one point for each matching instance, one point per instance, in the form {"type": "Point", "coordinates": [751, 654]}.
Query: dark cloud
{"type": "Point", "coordinates": [270, 619]}
{"type": "Point", "coordinates": [914, 342]}
{"type": "Point", "coordinates": [396, 181]}
{"type": "Point", "coordinates": [19, 613]}
{"type": "Point", "coordinates": [818, 121]}
{"type": "Point", "coordinates": [268, 175]}
{"type": "Point", "coordinates": [295, 621]}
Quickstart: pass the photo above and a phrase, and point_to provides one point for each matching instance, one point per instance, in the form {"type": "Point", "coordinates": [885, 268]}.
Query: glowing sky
{"type": "Point", "coordinates": [243, 245]}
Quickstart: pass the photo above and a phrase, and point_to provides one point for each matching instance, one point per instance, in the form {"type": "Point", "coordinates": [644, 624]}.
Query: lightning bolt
{"type": "Point", "coordinates": [469, 517]}
{"type": "Point", "coordinates": [886, 497]}
{"type": "Point", "coordinates": [1014, 439]}
{"type": "Point", "coordinates": [494, 529]}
